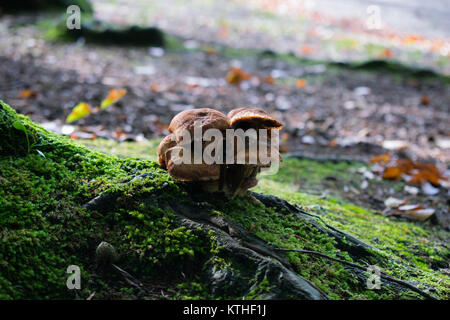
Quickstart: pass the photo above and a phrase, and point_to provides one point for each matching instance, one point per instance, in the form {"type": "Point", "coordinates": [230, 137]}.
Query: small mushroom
{"type": "Point", "coordinates": [106, 253]}
{"type": "Point", "coordinates": [167, 143]}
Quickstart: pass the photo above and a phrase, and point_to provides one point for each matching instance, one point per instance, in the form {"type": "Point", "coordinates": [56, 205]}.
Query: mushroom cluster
{"type": "Point", "coordinates": [222, 175]}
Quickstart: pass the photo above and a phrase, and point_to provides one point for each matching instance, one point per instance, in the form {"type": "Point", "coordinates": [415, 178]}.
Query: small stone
{"type": "Point", "coordinates": [106, 253]}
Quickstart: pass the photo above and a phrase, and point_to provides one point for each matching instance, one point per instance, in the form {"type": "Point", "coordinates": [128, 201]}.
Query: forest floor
{"type": "Point", "coordinates": [329, 111]}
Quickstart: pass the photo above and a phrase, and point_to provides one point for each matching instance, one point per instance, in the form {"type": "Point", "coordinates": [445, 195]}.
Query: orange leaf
{"type": "Point", "coordinates": [154, 86]}
{"type": "Point", "coordinates": [392, 173]}
{"type": "Point", "coordinates": [270, 80]}
{"type": "Point", "coordinates": [236, 75]}
{"type": "Point", "coordinates": [25, 94]}
{"type": "Point", "coordinates": [114, 95]}
{"type": "Point", "coordinates": [405, 165]}
{"type": "Point", "coordinates": [382, 158]}
{"type": "Point", "coordinates": [431, 177]}
{"type": "Point", "coordinates": [387, 53]}
{"type": "Point", "coordinates": [428, 167]}
{"type": "Point", "coordinates": [223, 33]}
{"type": "Point", "coordinates": [301, 83]}
{"type": "Point", "coordinates": [306, 50]}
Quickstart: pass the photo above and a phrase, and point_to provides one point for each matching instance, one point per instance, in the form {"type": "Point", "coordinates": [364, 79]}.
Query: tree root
{"type": "Point", "coordinates": [250, 259]}
{"type": "Point", "coordinates": [354, 265]}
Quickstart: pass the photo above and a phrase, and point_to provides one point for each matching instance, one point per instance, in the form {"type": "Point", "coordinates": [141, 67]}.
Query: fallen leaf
{"type": "Point", "coordinates": [392, 173]}
{"type": "Point", "coordinates": [387, 53]}
{"type": "Point", "coordinates": [25, 94]}
{"type": "Point", "coordinates": [308, 139]}
{"type": "Point", "coordinates": [364, 185]}
{"type": "Point", "coordinates": [81, 110]}
{"type": "Point", "coordinates": [154, 86]}
{"type": "Point", "coordinates": [283, 149]}
{"type": "Point", "coordinates": [210, 51]}
{"type": "Point", "coordinates": [83, 135]}
{"type": "Point", "coordinates": [421, 214]}
{"type": "Point", "coordinates": [423, 176]}
{"type": "Point", "coordinates": [405, 165]}
{"type": "Point", "coordinates": [392, 202]}
{"type": "Point", "coordinates": [236, 76]}
{"type": "Point", "coordinates": [361, 91]}
{"type": "Point", "coordinates": [382, 158]}
{"type": "Point", "coordinates": [411, 190]}
{"type": "Point", "coordinates": [425, 100]}
{"type": "Point", "coordinates": [395, 144]}
{"type": "Point", "coordinates": [443, 143]}
{"type": "Point", "coordinates": [270, 80]}
{"type": "Point", "coordinates": [333, 143]}
{"type": "Point", "coordinates": [410, 207]}
{"type": "Point", "coordinates": [429, 190]}
{"type": "Point", "coordinates": [301, 83]}
{"type": "Point", "coordinates": [307, 50]}
{"type": "Point", "coordinates": [114, 95]}
{"type": "Point", "coordinates": [223, 33]}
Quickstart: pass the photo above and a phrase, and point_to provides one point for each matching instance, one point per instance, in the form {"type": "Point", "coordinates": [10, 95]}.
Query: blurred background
{"type": "Point", "coordinates": [347, 78]}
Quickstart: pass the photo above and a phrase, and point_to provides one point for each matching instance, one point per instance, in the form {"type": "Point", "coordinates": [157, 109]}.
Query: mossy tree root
{"type": "Point", "coordinates": [251, 261]}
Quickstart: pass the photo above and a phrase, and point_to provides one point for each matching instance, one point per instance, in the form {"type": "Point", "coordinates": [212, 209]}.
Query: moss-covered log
{"type": "Point", "coordinates": [59, 200]}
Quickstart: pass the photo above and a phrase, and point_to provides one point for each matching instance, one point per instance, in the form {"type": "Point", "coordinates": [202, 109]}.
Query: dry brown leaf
{"type": "Point", "coordinates": [236, 76]}
{"type": "Point", "coordinates": [425, 100]}
{"type": "Point", "coordinates": [381, 158]}
{"type": "Point", "coordinates": [25, 94]}
{"type": "Point", "coordinates": [333, 143]}
{"type": "Point", "coordinates": [270, 80]}
{"type": "Point", "coordinates": [301, 83]}
{"type": "Point", "coordinates": [392, 173]}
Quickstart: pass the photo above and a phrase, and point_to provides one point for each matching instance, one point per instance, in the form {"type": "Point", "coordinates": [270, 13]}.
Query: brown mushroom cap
{"type": "Point", "coordinates": [167, 143]}
{"type": "Point", "coordinates": [232, 179]}
{"type": "Point", "coordinates": [252, 118]}
{"type": "Point", "coordinates": [208, 119]}
{"type": "Point", "coordinates": [190, 171]}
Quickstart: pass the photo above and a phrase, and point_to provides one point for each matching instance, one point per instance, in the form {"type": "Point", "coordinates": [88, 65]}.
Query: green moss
{"type": "Point", "coordinates": [45, 228]}
{"type": "Point", "coordinates": [143, 150]}
{"type": "Point", "coordinates": [191, 290]}
{"type": "Point", "coordinates": [259, 290]}
{"type": "Point", "coordinates": [413, 251]}
{"type": "Point", "coordinates": [288, 231]}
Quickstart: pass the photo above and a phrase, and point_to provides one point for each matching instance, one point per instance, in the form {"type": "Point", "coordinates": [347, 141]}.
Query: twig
{"type": "Point", "coordinates": [129, 278]}
{"type": "Point", "coordinates": [382, 274]}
